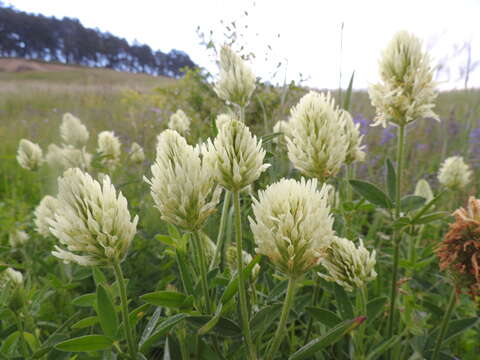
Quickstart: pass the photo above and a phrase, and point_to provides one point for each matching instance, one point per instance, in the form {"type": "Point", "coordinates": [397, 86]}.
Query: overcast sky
{"type": "Point", "coordinates": [310, 32]}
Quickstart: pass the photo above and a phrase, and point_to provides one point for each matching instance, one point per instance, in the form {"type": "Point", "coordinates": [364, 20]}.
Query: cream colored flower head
{"type": "Point", "coordinates": [236, 81]}
{"type": "Point", "coordinates": [18, 238]}
{"type": "Point", "coordinates": [355, 150]}
{"type": "Point", "coordinates": [182, 185]}
{"type": "Point", "coordinates": [246, 259]}
{"type": "Point", "coordinates": [73, 132]}
{"type": "Point", "coordinates": [317, 142]}
{"type": "Point", "coordinates": [68, 157]}
{"type": "Point", "coordinates": [406, 91]}
{"type": "Point", "coordinates": [454, 173]}
{"type": "Point", "coordinates": [109, 149]}
{"type": "Point", "coordinates": [92, 223]}
{"type": "Point", "coordinates": [11, 276]}
{"type": "Point", "coordinates": [44, 213]}
{"type": "Point", "coordinates": [136, 154]}
{"type": "Point", "coordinates": [347, 265]}
{"type": "Point", "coordinates": [223, 119]}
{"type": "Point", "coordinates": [29, 155]}
{"type": "Point", "coordinates": [424, 190]}
{"type": "Point", "coordinates": [235, 156]}
{"type": "Point", "coordinates": [180, 122]}
{"type": "Point", "coordinates": [292, 225]}
{"type": "Point", "coordinates": [281, 126]}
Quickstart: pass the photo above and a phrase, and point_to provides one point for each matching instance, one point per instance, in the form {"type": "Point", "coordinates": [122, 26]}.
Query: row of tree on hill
{"type": "Point", "coordinates": [68, 41]}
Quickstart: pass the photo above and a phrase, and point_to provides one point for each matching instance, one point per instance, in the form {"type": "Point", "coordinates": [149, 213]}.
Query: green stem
{"type": "Point", "coordinates": [287, 304]}
{"type": "Point", "coordinates": [184, 271]}
{"type": "Point", "coordinates": [316, 292]}
{"type": "Point", "coordinates": [203, 269]}
{"type": "Point", "coordinates": [217, 258]}
{"type": "Point", "coordinates": [183, 345]}
{"type": "Point", "coordinates": [126, 318]}
{"type": "Point", "coordinates": [23, 343]}
{"type": "Point", "coordinates": [350, 176]}
{"type": "Point", "coordinates": [396, 234]}
{"type": "Point", "coordinates": [361, 311]}
{"type": "Point", "coordinates": [241, 276]}
{"type": "Point", "coordinates": [444, 325]}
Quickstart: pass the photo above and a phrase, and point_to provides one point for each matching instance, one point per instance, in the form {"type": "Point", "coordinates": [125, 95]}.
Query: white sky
{"type": "Point", "coordinates": [309, 31]}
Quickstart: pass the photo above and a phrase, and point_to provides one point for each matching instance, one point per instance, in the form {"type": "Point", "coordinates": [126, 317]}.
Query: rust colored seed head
{"type": "Point", "coordinates": [459, 253]}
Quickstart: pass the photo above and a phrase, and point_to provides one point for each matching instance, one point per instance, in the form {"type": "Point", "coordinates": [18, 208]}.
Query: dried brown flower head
{"type": "Point", "coordinates": [459, 253]}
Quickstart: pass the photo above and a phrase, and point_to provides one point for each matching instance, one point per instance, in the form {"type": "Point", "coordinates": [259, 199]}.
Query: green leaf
{"type": "Point", "coordinates": [161, 331]}
{"type": "Point", "coordinates": [232, 287]}
{"type": "Point", "coordinates": [383, 347]}
{"type": "Point", "coordinates": [391, 180]}
{"type": "Point", "coordinates": [87, 322]}
{"type": "Point", "coordinates": [85, 343]}
{"type": "Point", "coordinates": [371, 193]}
{"type": "Point", "coordinates": [326, 317]}
{"type": "Point", "coordinates": [456, 327]}
{"type": "Point", "coordinates": [426, 219]}
{"type": "Point", "coordinates": [331, 337]}
{"type": "Point", "coordinates": [402, 222]}
{"type": "Point", "coordinates": [98, 276]}
{"type": "Point", "coordinates": [224, 327]}
{"type": "Point", "coordinates": [167, 240]}
{"type": "Point", "coordinates": [87, 300]}
{"type": "Point", "coordinates": [212, 322]}
{"type": "Point", "coordinates": [343, 302]}
{"type": "Point", "coordinates": [268, 138]}
{"type": "Point", "coordinates": [170, 299]}
{"type": "Point", "coordinates": [348, 94]}
{"type": "Point", "coordinates": [262, 319]}
{"type": "Point", "coordinates": [411, 202]}
{"type": "Point", "coordinates": [106, 312]}
{"type": "Point", "coordinates": [151, 325]}
{"type": "Point", "coordinates": [375, 307]}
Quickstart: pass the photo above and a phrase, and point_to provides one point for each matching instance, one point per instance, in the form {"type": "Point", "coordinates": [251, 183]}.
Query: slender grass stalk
{"type": "Point", "coordinates": [444, 325]}
{"type": "Point", "coordinates": [132, 348]}
{"type": "Point", "coordinates": [202, 264]}
{"type": "Point", "coordinates": [279, 333]}
{"type": "Point", "coordinates": [241, 278]}
{"type": "Point", "coordinates": [218, 256]}
{"type": "Point", "coordinates": [396, 235]}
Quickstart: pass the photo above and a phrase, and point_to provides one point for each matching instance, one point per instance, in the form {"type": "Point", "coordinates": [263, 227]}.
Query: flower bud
{"type": "Point", "coordinates": [136, 154]}
{"type": "Point", "coordinates": [44, 213]}
{"type": "Point", "coordinates": [18, 238]}
{"type": "Point", "coordinates": [182, 185]}
{"type": "Point", "coordinates": [179, 122]}
{"type": "Point", "coordinates": [73, 132]}
{"type": "Point", "coordinates": [29, 155]}
{"type": "Point", "coordinates": [236, 82]}
{"type": "Point", "coordinates": [91, 221]}
{"type": "Point", "coordinates": [235, 156]}
{"type": "Point", "coordinates": [109, 149]}
{"type": "Point", "coordinates": [317, 142]}
{"type": "Point", "coordinates": [424, 190]}
{"type": "Point", "coordinates": [407, 90]}
{"type": "Point", "coordinates": [454, 173]}
{"type": "Point", "coordinates": [292, 225]}
{"type": "Point", "coordinates": [347, 265]}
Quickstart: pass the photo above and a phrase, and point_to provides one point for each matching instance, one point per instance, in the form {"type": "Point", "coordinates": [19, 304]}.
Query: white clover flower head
{"type": "Point", "coordinates": [136, 153]}
{"type": "Point", "coordinates": [73, 132]}
{"type": "Point", "coordinates": [424, 190]}
{"type": "Point", "coordinates": [44, 213]}
{"type": "Point", "coordinates": [11, 276]}
{"type": "Point", "coordinates": [235, 156]}
{"type": "Point", "coordinates": [70, 157]}
{"type": "Point", "coordinates": [109, 149]}
{"type": "Point", "coordinates": [454, 173]}
{"type": "Point", "coordinates": [18, 238]}
{"type": "Point", "coordinates": [223, 119]}
{"type": "Point", "coordinates": [347, 265]}
{"type": "Point", "coordinates": [407, 90]}
{"type": "Point", "coordinates": [280, 126]}
{"type": "Point", "coordinates": [54, 156]}
{"type": "Point", "coordinates": [236, 81]}
{"type": "Point", "coordinates": [92, 222]}
{"type": "Point", "coordinates": [29, 155]}
{"type": "Point", "coordinates": [246, 259]}
{"type": "Point", "coordinates": [316, 141]}
{"type": "Point", "coordinates": [180, 122]}
{"type": "Point", "coordinates": [182, 185]}
{"type": "Point", "coordinates": [355, 150]}
{"type": "Point", "coordinates": [292, 225]}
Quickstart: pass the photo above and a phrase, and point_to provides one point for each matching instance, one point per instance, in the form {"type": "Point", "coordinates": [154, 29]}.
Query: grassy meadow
{"type": "Point", "coordinates": [137, 108]}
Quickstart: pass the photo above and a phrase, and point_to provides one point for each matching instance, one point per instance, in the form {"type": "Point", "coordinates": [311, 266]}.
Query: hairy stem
{"type": "Point", "coordinates": [279, 333]}
{"type": "Point", "coordinates": [132, 348]}
{"type": "Point", "coordinates": [202, 264]}
{"type": "Point", "coordinates": [241, 279]}
{"type": "Point", "coordinates": [219, 251]}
